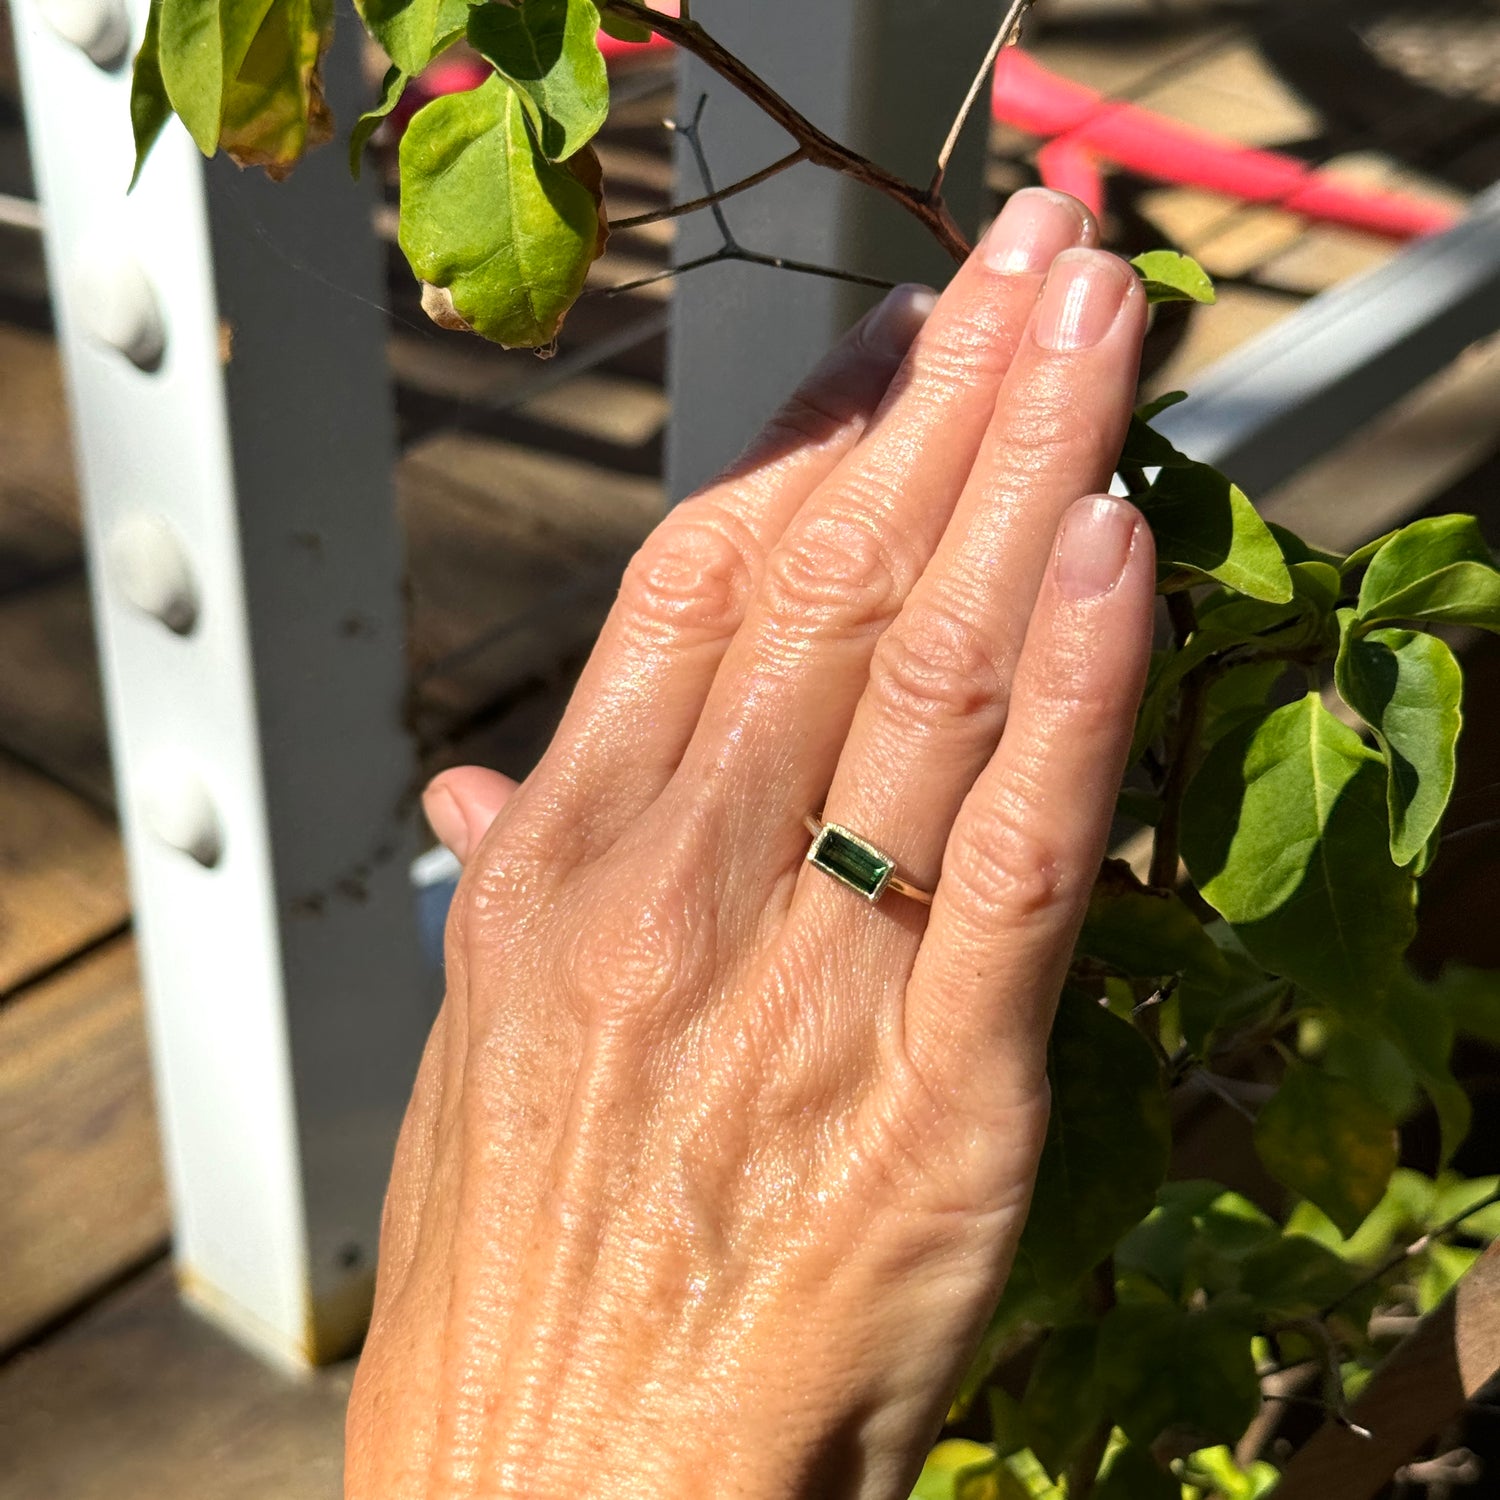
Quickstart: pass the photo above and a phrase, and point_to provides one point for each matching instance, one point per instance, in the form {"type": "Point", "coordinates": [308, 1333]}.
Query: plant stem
{"type": "Point", "coordinates": [1416, 1247]}
{"type": "Point", "coordinates": [815, 145]}
{"type": "Point", "coordinates": [710, 200]}
{"type": "Point", "coordinates": [1008, 29]}
{"type": "Point", "coordinates": [1181, 745]}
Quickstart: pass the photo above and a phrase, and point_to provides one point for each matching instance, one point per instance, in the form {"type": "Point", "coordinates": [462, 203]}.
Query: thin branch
{"type": "Point", "coordinates": [816, 146]}
{"type": "Point", "coordinates": [1166, 852]}
{"type": "Point", "coordinates": [731, 249]}
{"type": "Point", "coordinates": [1327, 1354]}
{"type": "Point", "coordinates": [1007, 32]}
{"type": "Point", "coordinates": [750, 258]}
{"type": "Point", "coordinates": [708, 200]}
{"type": "Point", "coordinates": [1417, 1246]}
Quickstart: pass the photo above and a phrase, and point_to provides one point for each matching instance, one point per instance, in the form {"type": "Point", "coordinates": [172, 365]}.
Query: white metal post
{"type": "Point", "coordinates": [223, 340]}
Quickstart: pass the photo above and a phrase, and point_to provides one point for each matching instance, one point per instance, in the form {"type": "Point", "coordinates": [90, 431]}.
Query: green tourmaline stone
{"type": "Point", "coordinates": [851, 860]}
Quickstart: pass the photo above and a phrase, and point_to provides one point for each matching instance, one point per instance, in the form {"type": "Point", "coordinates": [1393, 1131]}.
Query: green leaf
{"type": "Point", "coordinates": [1408, 687]}
{"type": "Point", "coordinates": [961, 1470]}
{"type": "Point", "coordinates": [1133, 1474]}
{"type": "Point", "coordinates": [1472, 998]}
{"type": "Point", "coordinates": [150, 109]}
{"type": "Point", "coordinates": [1363, 556]}
{"type": "Point", "coordinates": [1285, 835]}
{"type": "Point", "coordinates": [1422, 1028]}
{"type": "Point", "coordinates": [1295, 1277]}
{"type": "Point", "coordinates": [1444, 1266]}
{"type": "Point", "coordinates": [1171, 277]}
{"type": "Point", "coordinates": [273, 109]}
{"type": "Point", "coordinates": [1329, 1142]}
{"type": "Point", "coordinates": [1161, 1367]}
{"type": "Point", "coordinates": [548, 51]}
{"type": "Point", "coordinates": [623, 29]}
{"type": "Point", "coordinates": [1194, 1239]}
{"type": "Point", "coordinates": [1237, 697]}
{"type": "Point", "coordinates": [1150, 410]}
{"type": "Point", "coordinates": [391, 89]}
{"type": "Point", "coordinates": [1435, 569]}
{"type": "Point", "coordinates": [1062, 1405]}
{"type": "Point", "coordinates": [413, 32]}
{"type": "Point", "coordinates": [1107, 1143]}
{"type": "Point", "coordinates": [1204, 523]}
{"type": "Point", "coordinates": [202, 44]}
{"type": "Point", "coordinates": [1295, 550]}
{"type": "Point", "coordinates": [1146, 933]}
{"type": "Point", "coordinates": [485, 218]}
{"type": "Point", "coordinates": [1215, 1470]}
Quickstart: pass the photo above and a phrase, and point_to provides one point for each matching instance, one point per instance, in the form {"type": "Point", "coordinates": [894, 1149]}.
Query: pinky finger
{"type": "Point", "coordinates": [1028, 841]}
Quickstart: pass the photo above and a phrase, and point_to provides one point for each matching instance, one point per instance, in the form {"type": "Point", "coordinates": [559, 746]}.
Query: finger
{"type": "Point", "coordinates": [940, 678]}
{"type": "Point", "coordinates": [1029, 839]}
{"type": "Point", "coordinates": [781, 707]}
{"type": "Point", "coordinates": [683, 595]}
{"type": "Point", "coordinates": [461, 804]}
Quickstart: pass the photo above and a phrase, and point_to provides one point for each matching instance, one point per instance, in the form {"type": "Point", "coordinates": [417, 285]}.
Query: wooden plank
{"type": "Point", "coordinates": [142, 1399]}
{"type": "Point", "coordinates": [36, 454]}
{"type": "Point", "coordinates": [51, 710]}
{"type": "Point", "coordinates": [513, 558]}
{"type": "Point", "coordinates": [62, 875]}
{"type": "Point", "coordinates": [80, 1170]}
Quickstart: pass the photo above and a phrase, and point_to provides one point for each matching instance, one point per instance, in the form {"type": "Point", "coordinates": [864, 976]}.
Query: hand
{"type": "Point", "coordinates": [714, 1170]}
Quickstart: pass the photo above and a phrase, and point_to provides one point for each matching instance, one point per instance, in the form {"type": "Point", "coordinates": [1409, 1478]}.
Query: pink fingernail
{"type": "Point", "coordinates": [897, 321]}
{"type": "Point", "coordinates": [1093, 546]}
{"type": "Point", "coordinates": [1034, 228]}
{"type": "Point", "coordinates": [1084, 294]}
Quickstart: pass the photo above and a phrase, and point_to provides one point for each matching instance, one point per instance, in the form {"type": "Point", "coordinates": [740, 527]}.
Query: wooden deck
{"type": "Point", "coordinates": [522, 486]}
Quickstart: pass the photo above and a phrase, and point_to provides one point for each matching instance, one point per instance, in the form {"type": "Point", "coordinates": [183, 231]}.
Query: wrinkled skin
{"type": "Point", "coordinates": [713, 1170]}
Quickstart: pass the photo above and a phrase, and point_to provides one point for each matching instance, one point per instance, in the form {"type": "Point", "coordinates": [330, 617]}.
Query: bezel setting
{"type": "Point", "coordinates": [852, 861]}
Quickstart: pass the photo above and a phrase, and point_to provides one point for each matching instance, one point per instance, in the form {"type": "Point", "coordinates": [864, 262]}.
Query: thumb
{"type": "Point", "coordinates": [462, 803]}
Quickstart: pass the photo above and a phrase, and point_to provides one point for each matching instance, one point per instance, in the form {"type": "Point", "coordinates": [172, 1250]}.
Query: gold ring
{"type": "Point", "coordinates": [855, 862]}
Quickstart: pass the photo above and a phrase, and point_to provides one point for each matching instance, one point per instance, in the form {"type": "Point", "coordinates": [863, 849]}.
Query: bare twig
{"type": "Point", "coordinates": [1166, 852]}
{"type": "Point", "coordinates": [816, 146]}
{"type": "Point", "coordinates": [1009, 27]}
{"type": "Point", "coordinates": [731, 249]}
{"type": "Point", "coordinates": [708, 200]}
{"type": "Point", "coordinates": [1401, 1256]}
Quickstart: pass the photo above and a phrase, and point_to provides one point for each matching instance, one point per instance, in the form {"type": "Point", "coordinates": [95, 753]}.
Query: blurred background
{"type": "Point", "coordinates": [522, 485]}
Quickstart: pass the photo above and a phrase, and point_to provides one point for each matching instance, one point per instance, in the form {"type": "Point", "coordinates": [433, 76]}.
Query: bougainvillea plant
{"type": "Point", "coordinates": [1293, 763]}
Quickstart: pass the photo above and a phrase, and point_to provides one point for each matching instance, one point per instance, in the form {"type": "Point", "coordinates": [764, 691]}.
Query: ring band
{"type": "Point", "coordinates": [858, 864]}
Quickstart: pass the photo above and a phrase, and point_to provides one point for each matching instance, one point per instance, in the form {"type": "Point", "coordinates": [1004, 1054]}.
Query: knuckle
{"type": "Point", "coordinates": [1001, 868]}
{"type": "Point", "coordinates": [933, 666]}
{"type": "Point", "coordinates": [839, 574]}
{"type": "Point", "coordinates": [693, 573]}
{"type": "Point", "coordinates": [638, 961]}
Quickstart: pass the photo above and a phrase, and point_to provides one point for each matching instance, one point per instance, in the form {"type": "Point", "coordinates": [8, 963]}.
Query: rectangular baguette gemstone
{"type": "Point", "coordinates": [859, 865]}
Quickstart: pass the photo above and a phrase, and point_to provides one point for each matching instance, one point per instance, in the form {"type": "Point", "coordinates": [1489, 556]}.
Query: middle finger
{"type": "Point", "coordinates": [771, 729]}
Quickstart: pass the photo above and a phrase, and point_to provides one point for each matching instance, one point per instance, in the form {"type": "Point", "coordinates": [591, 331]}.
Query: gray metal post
{"type": "Point", "coordinates": [223, 339]}
{"type": "Point", "coordinates": [883, 76]}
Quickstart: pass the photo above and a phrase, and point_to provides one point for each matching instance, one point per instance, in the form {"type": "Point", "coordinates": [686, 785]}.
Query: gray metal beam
{"type": "Point", "coordinates": [1315, 378]}
{"type": "Point", "coordinates": [883, 76]}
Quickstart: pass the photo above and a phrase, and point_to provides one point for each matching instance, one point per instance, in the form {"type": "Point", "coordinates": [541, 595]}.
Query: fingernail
{"type": "Point", "coordinates": [446, 819]}
{"type": "Point", "coordinates": [1084, 294]}
{"type": "Point", "coordinates": [1093, 545]}
{"type": "Point", "coordinates": [1034, 228]}
{"type": "Point", "coordinates": [893, 325]}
